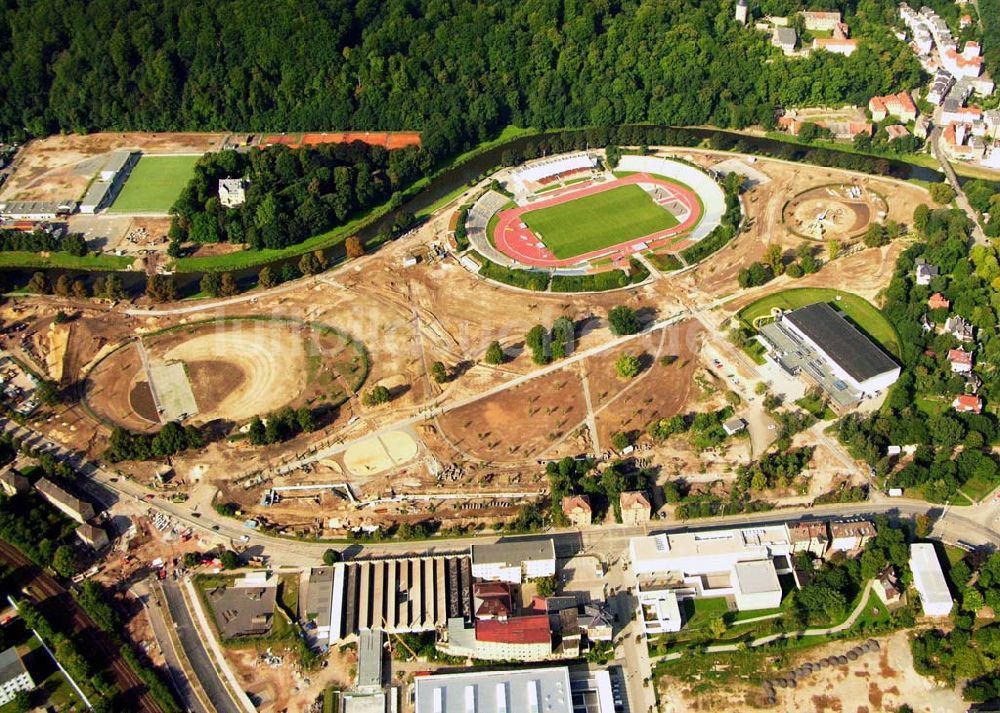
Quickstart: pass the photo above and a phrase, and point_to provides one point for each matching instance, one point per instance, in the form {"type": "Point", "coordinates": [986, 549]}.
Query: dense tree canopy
{"type": "Point", "coordinates": [457, 70]}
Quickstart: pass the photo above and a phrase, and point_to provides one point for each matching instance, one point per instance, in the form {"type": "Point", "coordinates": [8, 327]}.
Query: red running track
{"type": "Point", "coordinates": [523, 245]}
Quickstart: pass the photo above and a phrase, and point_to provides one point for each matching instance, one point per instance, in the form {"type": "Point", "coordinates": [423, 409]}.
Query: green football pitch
{"type": "Point", "coordinates": [154, 184]}
{"type": "Point", "coordinates": [598, 221]}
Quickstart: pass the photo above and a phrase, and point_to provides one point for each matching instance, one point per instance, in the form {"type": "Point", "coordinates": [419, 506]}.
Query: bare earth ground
{"type": "Point", "coordinates": [408, 318]}
{"type": "Point", "coordinates": [521, 422]}
{"type": "Point", "coordinates": [878, 681]}
{"type": "Point", "coordinates": [657, 392]}
{"type": "Point", "coordinates": [60, 167]}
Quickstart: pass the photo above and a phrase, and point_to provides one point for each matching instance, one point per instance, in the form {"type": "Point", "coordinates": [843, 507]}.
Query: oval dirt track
{"type": "Point", "coordinates": [270, 360]}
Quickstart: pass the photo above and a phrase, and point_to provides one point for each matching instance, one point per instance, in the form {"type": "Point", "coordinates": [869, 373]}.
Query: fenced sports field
{"type": "Point", "coordinates": [154, 184]}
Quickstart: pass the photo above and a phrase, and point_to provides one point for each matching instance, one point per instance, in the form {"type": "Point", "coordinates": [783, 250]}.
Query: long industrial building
{"type": "Point", "coordinates": [410, 594]}
{"type": "Point", "coordinates": [819, 342]}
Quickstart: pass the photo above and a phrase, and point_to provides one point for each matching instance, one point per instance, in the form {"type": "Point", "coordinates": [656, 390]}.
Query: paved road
{"type": "Point", "coordinates": [963, 202]}
{"type": "Point", "coordinates": [174, 658]}
{"type": "Point", "coordinates": [86, 633]}
{"type": "Point", "coordinates": [195, 649]}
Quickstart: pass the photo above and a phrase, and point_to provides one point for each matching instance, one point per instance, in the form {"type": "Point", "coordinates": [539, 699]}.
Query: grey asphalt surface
{"type": "Point", "coordinates": [180, 682]}
{"type": "Point", "coordinates": [196, 652]}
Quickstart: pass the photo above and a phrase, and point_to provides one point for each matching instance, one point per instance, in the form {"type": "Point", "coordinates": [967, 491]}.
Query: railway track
{"type": "Point", "coordinates": [90, 638]}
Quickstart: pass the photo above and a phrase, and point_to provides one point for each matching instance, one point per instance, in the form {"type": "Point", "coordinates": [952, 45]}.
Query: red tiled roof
{"type": "Point", "coordinates": [532, 629]}
{"type": "Point", "coordinates": [574, 502]}
{"type": "Point", "coordinates": [938, 301]}
{"type": "Point", "coordinates": [957, 356]}
{"type": "Point", "coordinates": [968, 403]}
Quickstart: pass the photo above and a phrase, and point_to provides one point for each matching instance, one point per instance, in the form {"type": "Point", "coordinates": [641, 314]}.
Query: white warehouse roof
{"type": "Point", "coordinates": [537, 690]}
{"type": "Point", "coordinates": [929, 580]}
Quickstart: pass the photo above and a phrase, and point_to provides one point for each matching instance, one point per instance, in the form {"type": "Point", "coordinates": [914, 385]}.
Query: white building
{"type": "Point", "coordinates": [756, 585]}
{"type": "Point", "coordinates": [929, 580]}
{"type": "Point", "coordinates": [850, 354]}
{"type": "Point", "coordinates": [706, 551]}
{"type": "Point", "coordinates": [741, 11]}
{"type": "Point", "coordinates": [538, 690]}
{"type": "Point", "coordinates": [658, 610]}
{"type": "Point", "coordinates": [14, 677]}
{"type": "Point", "coordinates": [514, 560]}
{"type": "Point", "coordinates": [232, 192]}
{"type": "Point", "coordinates": [709, 563]}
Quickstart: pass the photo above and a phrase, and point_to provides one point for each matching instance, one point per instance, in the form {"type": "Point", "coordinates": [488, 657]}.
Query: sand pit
{"type": "Point", "coordinates": [270, 363]}
{"type": "Point", "coordinates": [228, 369]}
{"type": "Point", "coordinates": [834, 211]}
{"type": "Point", "coordinates": [379, 453]}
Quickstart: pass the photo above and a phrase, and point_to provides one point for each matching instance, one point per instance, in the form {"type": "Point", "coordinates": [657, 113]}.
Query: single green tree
{"type": "Point", "coordinates": [494, 354]}
{"type": "Point", "coordinates": [627, 366]}
{"type": "Point", "coordinates": [439, 372]}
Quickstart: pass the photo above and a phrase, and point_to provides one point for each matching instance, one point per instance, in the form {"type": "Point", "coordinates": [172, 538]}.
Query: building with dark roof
{"type": "Point", "coordinates": [850, 355]}
{"type": "Point", "coordinates": [14, 677]}
{"type": "Point", "coordinates": [514, 560]}
{"type": "Point", "coordinates": [246, 608]}
{"type": "Point", "coordinates": [72, 506]}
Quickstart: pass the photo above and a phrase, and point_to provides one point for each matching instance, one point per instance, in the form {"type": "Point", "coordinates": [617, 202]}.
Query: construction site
{"type": "Point", "coordinates": [466, 452]}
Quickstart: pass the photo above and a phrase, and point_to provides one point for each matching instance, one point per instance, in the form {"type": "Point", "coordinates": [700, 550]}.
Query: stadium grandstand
{"type": "Point", "coordinates": [712, 197]}
{"type": "Point", "coordinates": [546, 171]}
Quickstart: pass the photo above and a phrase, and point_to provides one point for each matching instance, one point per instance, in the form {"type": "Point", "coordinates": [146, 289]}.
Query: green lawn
{"type": "Point", "coordinates": [699, 613]}
{"type": "Point", "coordinates": [978, 488]}
{"type": "Point", "coordinates": [18, 258]}
{"type": "Point", "coordinates": [859, 311]}
{"type": "Point", "coordinates": [598, 221]}
{"type": "Point", "coordinates": [154, 184]}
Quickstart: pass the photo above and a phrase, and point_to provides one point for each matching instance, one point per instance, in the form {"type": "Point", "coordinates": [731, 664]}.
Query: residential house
{"type": "Point", "coordinates": [940, 86]}
{"type": "Point", "coordinates": [14, 677]}
{"type": "Point", "coordinates": [232, 192]}
{"type": "Point", "coordinates": [836, 45]}
{"type": "Point", "coordinates": [13, 482]}
{"type": "Point", "coordinates": [922, 127]}
{"type": "Point", "coordinates": [850, 535]}
{"type": "Point", "coordinates": [72, 506]}
{"type": "Point", "coordinates": [734, 426]}
{"type": "Point", "coordinates": [938, 301]}
{"type": "Point", "coordinates": [960, 114]}
{"type": "Point", "coordinates": [822, 21]}
{"type": "Point", "coordinates": [492, 601]}
{"type": "Point", "coordinates": [896, 131]}
{"type": "Point", "coordinates": [968, 63]}
{"type": "Point", "coordinates": [577, 509]}
{"type": "Point", "coordinates": [636, 508]}
{"type": "Point", "coordinates": [811, 537]}
{"type": "Point", "coordinates": [967, 403]}
{"type": "Point", "coordinates": [961, 361]}
{"type": "Point", "coordinates": [925, 272]}
{"type": "Point", "coordinates": [93, 536]}
{"type": "Point", "coordinates": [597, 621]}
{"type": "Point", "coordinates": [898, 105]}
{"type": "Point", "coordinates": [887, 587]}
{"type": "Point", "coordinates": [960, 329]}
{"type": "Point", "coordinates": [784, 38]}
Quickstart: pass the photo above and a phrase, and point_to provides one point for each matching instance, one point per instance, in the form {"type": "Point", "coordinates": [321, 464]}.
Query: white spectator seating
{"type": "Point", "coordinates": [712, 196]}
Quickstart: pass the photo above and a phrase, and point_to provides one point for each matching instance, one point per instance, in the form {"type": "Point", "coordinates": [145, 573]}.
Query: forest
{"type": "Point", "coordinates": [291, 193]}
{"type": "Point", "coordinates": [456, 70]}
